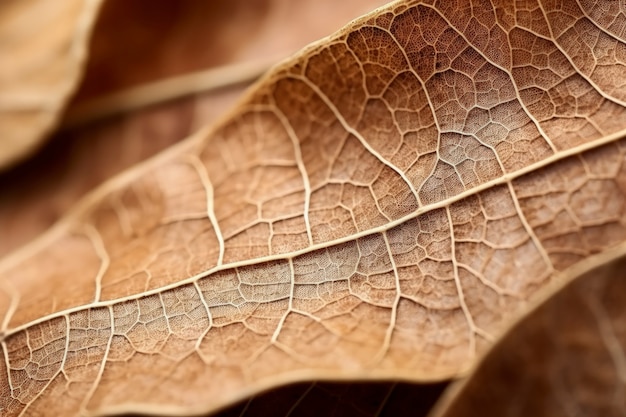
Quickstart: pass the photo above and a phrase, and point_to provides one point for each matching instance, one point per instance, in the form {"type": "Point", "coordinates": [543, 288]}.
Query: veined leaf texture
{"type": "Point", "coordinates": [379, 206]}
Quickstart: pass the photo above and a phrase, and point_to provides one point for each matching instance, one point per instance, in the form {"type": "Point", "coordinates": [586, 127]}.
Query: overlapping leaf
{"type": "Point", "coordinates": [564, 358]}
{"type": "Point", "coordinates": [379, 206]}
{"type": "Point", "coordinates": [43, 48]}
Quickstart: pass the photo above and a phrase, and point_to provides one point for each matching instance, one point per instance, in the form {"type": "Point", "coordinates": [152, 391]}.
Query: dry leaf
{"type": "Point", "coordinates": [380, 206]}
{"type": "Point", "coordinates": [43, 45]}
{"type": "Point", "coordinates": [564, 358]}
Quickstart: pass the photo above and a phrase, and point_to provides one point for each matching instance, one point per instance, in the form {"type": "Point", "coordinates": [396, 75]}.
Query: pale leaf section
{"type": "Point", "coordinates": [381, 205]}
{"type": "Point", "coordinates": [43, 46]}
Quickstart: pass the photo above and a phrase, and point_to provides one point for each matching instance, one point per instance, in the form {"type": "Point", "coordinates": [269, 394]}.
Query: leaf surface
{"type": "Point", "coordinates": [379, 206]}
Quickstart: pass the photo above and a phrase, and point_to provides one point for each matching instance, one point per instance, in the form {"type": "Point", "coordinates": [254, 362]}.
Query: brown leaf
{"type": "Point", "coordinates": [379, 206]}
{"type": "Point", "coordinates": [43, 45]}
{"type": "Point", "coordinates": [564, 358]}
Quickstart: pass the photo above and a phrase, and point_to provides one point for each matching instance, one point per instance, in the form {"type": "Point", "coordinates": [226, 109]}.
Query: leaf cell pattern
{"type": "Point", "coordinates": [378, 206]}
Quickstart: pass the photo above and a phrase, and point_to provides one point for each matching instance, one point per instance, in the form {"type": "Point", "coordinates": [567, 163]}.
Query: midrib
{"type": "Point", "coordinates": [504, 179]}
